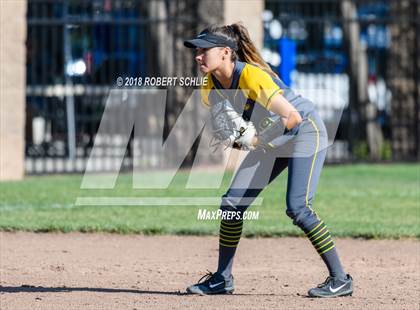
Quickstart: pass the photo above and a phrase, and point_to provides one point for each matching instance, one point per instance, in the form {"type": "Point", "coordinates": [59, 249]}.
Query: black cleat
{"type": "Point", "coordinates": [214, 283]}
{"type": "Point", "coordinates": [333, 287]}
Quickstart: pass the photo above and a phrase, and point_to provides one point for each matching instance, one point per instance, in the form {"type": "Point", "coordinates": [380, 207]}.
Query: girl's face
{"type": "Point", "coordinates": [209, 59]}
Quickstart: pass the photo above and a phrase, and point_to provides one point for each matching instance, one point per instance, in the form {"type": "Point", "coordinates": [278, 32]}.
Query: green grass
{"type": "Point", "coordinates": [369, 201]}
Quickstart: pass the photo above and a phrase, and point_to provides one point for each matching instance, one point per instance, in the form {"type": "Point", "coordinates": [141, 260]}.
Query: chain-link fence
{"type": "Point", "coordinates": [76, 50]}
{"type": "Point", "coordinates": [364, 51]}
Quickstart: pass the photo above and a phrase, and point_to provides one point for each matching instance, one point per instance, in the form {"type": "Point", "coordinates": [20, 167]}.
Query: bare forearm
{"type": "Point", "coordinates": [293, 120]}
{"type": "Point", "coordinates": [281, 106]}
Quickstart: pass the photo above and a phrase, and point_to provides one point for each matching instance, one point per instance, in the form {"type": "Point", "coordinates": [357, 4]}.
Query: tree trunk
{"type": "Point", "coordinates": [358, 71]}
{"type": "Point", "coordinates": [403, 79]}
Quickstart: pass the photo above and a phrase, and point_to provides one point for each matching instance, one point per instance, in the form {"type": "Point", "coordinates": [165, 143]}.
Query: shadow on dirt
{"type": "Point", "coordinates": [25, 288]}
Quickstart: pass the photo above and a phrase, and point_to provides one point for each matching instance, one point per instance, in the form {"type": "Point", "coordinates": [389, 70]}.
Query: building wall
{"type": "Point", "coordinates": [250, 13]}
{"type": "Point", "coordinates": [12, 88]}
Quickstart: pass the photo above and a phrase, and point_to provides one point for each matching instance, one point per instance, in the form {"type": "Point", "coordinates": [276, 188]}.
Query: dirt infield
{"type": "Point", "coordinates": [107, 271]}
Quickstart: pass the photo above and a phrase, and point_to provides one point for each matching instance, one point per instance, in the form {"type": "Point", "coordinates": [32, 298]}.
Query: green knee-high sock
{"type": "Point", "coordinates": [230, 233]}
{"type": "Point", "coordinates": [321, 239]}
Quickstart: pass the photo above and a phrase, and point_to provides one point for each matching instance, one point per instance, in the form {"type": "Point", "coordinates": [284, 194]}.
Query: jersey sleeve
{"type": "Point", "coordinates": [205, 91]}
{"type": "Point", "coordinates": [259, 84]}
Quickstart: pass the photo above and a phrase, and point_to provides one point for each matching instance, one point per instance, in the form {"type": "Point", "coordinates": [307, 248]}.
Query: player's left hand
{"type": "Point", "coordinates": [230, 129]}
{"type": "Point", "coordinates": [247, 138]}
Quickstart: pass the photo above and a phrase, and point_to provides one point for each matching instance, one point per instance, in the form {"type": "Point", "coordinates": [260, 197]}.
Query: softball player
{"type": "Point", "coordinates": [229, 58]}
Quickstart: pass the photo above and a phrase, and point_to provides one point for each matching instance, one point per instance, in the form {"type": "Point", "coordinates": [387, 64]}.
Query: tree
{"type": "Point", "coordinates": [358, 71]}
{"type": "Point", "coordinates": [404, 66]}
